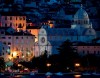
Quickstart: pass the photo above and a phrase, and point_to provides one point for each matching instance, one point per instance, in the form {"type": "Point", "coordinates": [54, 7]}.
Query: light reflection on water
{"type": "Point", "coordinates": [53, 76]}
{"type": "Point", "coordinates": [77, 76]}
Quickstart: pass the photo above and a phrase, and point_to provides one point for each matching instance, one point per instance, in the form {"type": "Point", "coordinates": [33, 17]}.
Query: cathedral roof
{"type": "Point", "coordinates": [81, 14]}
{"type": "Point", "coordinates": [89, 31]}
{"type": "Point", "coordinates": [61, 32]}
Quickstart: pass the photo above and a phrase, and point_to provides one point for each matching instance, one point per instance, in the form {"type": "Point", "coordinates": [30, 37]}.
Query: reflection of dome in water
{"type": "Point", "coordinates": [89, 31]}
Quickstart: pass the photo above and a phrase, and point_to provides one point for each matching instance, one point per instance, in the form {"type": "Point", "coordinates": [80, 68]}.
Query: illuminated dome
{"type": "Point", "coordinates": [81, 14]}
{"type": "Point", "coordinates": [89, 31]}
{"type": "Point", "coordinates": [81, 17]}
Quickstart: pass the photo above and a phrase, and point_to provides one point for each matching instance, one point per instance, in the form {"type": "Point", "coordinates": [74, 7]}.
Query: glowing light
{"type": "Point", "coordinates": [14, 54]}
{"type": "Point", "coordinates": [77, 64]}
{"type": "Point", "coordinates": [48, 64]}
{"type": "Point", "coordinates": [10, 57]}
{"type": "Point", "coordinates": [28, 53]}
{"type": "Point", "coordinates": [23, 56]}
{"type": "Point", "coordinates": [77, 76]}
{"type": "Point", "coordinates": [19, 65]}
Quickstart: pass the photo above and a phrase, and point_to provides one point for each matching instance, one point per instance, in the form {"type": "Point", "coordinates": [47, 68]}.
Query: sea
{"type": "Point", "coordinates": [53, 76]}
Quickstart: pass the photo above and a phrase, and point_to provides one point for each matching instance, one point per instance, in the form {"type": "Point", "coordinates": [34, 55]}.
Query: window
{"type": "Point", "coordinates": [22, 37]}
{"type": "Point", "coordinates": [9, 37]}
{"type": "Point", "coordinates": [20, 18]}
{"type": "Point", "coordinates": [3, 37]}
{"type": "Point", "coordinates": [16, 18]}
{"type": "Point", "coordinates": [98, 52]}
{"type": "Point", "coordinates": [30, 31]}
{"type": "Point", "coordinates": [3, 48]}
{"type": "Point", "coordinates": [10, 24]}
{"type": "Point", "coordinates": [4, 43]}
{"type": "Point", "coordinates": [10, 18]}
{"type": "Point", "coordinates": [9, 43]}
{"type": "Point", "coordinates": [23, 24]}
{"type": "Point", "coordinates": [5, 17]}
{"type": "Point", "coordinates": [16, 24]}
{"type": "Point", "coordinates": [16, 37]}
{"type": "Point", "coordinates": [5, 25]}
{"type": "Point", "coordinates": [2, 32]}
{"type": "Point", "coordinates": [88, 47]}
{"type": "Point", "coordinates": [23, 18]}
{"type": "Point", "coordinates": [3, 53]}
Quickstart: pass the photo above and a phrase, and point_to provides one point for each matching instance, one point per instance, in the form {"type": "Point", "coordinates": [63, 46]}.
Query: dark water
{"type": "Point", "coordinates": [53, 76]}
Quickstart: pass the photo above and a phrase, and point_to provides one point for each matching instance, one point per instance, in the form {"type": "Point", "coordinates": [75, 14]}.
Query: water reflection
{"type": "Point", "coordinates": [77, 76]}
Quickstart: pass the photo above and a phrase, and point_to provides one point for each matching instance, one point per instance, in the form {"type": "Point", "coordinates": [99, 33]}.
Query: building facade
{"type": "Point", "coordinates": [18, 45]}
{"type": "Point", "coordinates": [16, 22]}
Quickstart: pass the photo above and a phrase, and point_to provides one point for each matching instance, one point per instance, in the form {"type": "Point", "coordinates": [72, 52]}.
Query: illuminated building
{"type": "Point", "coordinates": [19, 44]}
{"type": "Point", "coordinates": [18, 1]}
{"type": "Point", "coordinates": [16, 22]}
{"type": "Point", "coordinates": [81, 31]}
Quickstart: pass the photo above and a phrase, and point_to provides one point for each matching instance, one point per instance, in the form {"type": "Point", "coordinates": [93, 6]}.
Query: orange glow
{"type": "Point", "coordinates": [77, 76]}
{"type": "Point", "coordinates": [77, 64]}
{"type": "Point", "coordinates": [48, 64]}
{"type": "Point", "coordinates": [10, 57]}
{"type": "Point", "coordinates": [14, 54]}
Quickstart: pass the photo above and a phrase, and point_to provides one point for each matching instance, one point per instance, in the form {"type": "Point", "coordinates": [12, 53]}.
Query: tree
{"type": "Point", "coordinates": [67, 54]}
{"type": "Point", "coordinates": [2, 63]}
{"type": "Point", "coordinates": [40, 62]}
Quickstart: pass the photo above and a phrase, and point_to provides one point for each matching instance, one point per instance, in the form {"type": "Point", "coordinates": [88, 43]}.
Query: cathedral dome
{"type": "Point", "coordinates": [89, 32]}
{"type": "Point", "coordinates": [81, 14]}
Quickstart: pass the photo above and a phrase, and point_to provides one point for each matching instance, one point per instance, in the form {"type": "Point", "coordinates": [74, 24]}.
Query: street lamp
{"type": "Point", "coordinates": [77, 64]}
{"type": "Point", "coordinates": [48, 65]}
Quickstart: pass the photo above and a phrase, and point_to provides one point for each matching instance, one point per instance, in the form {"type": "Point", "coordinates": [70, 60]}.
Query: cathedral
{"type": "Point", "coordinates": [51, 38]}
